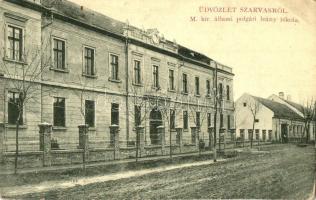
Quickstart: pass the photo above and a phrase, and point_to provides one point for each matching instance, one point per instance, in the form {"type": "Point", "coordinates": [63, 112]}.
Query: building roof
{"type": "Point", "coordinates": [296, 106]}
{"type": "Point", "coordinates": [85, 15]}
{"type": "Point", "coordinates": [280, 110]}
{"type": "Point", "coordinates": [93, 18]}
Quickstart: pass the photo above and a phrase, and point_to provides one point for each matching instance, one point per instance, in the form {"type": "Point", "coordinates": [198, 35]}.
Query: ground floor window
{"type": "Point", "coordinates": [257, 134]}
{"type": "Point", "coordinates": [264, 132]}
{"type": "Point", "coordinates": [209, 119]}
{"type": "Point", "coordinates": [185, 119]}
{"type": "Point", "coordinates": [90, 113]}
{"type": "Point", "coordinates": [115, 114]}
{"type": "Point", "coordinates": [198, 119]}
{"type": "Point", "coordinates": [249, 134]}
{"type": "Point", "coordinates": [59, 111]}
{"type": "Point", "coordinates": [270, 135]}
{"type": "Point", "coordinates": [172, 119]}
{"type": "Point", "coordinates": [137, 115]}
{"type": "Point", "coordinates": [13, 108]}
{"type": "Point", "coordinates": [242, 133]}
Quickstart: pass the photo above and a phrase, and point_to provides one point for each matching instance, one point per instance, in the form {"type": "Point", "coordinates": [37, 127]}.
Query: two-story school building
{"type": "Point", "coordinates": [82, 67]}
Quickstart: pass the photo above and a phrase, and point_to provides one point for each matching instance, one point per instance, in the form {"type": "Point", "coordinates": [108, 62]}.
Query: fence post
{"type": "Point", "coordinates": [140, 141]}
{"type": "Point", "coordinates": [84, 142]}
{"type": "Point", "coordinates": [115, 130]}
{"type": "Point", "coordinates": [179, 138]}
{"type": "Point", "coordinates": [45, 131]}
{"type": "Point", "coordinates": [2, 148]}
{"type": "Point", "coordinates": [161, 133]}
{"type": "Point", "coordinates": [221, 138]}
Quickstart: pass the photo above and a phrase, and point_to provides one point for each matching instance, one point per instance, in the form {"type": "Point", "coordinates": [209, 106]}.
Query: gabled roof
{"type": "Point", "coordinates": [280, 110]}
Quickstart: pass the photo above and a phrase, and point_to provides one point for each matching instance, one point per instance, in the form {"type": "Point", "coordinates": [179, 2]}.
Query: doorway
{"type": "Point", "coordinates": [284, 133]}
{"type": "Point", "coordinates": [155, 120]}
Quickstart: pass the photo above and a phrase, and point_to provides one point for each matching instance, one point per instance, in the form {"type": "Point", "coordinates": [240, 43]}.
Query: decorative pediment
{"type": "Point", "coordinates": [149, 36]}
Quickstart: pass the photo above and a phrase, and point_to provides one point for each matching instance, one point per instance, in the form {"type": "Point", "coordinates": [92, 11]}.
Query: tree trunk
{"type": "Point", "coordinates": [253, 130]}
{"type": "Point", "coordinates": [303, 134]}
{"type": "Point", "coordinates": [215, 119]}
{"type": "Point", "coordinates": [17, 125]}
{"type": "Point", "coordinates": [307, 132]}
{"type": "Point", "coordinates": [137, 144]}
{"type": "Point", "coordinates": [170, 143]}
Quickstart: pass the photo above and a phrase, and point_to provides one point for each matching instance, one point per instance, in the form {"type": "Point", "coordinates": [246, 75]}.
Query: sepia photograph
{"type": "Point", "coordinates": [157, 99]}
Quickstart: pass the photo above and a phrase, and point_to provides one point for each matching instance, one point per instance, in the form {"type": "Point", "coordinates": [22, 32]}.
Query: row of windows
{"type": "Point", "coordinates": [89, 114]}
{"type": "Point", "coordinates": [15, 36]}
{"type": "Point", "coordinates": [257, 136]}
{"type": "Point", "coordinates": [59, 113]}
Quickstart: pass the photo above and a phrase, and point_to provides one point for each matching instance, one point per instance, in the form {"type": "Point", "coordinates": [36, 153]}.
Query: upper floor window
{"type": "Point", "coordinates": [15, 40]}
{"type": "Point", "coordinates": [90, 113]}
{"type": "Point", "coordinates": [227, 93]}
{"type": "Point", "coordinates": [155, 76]}
{"type": "Point", "coordinates": [59, 111]}
{"type": "Point", "coordinates": [197, 85]}
{"type": "Point", "coordinates": [59, 54]}
{"type": "Point", "coordinates": [114, 67]}
{"type": "Point", "coordinates": [14, 108]}
{"type": "Point", "coordinates": [220, 90]}
{"type": "Point", "coordinates": [137, 72]}
{"type": "Point", "coordinates": [208, 87]}
{"type": "Point", "coordinates": [184, 83]}
{"type": "Point", "coordinates": [171, 79]}
{"type": "Point", "coordinates": [89, 61]}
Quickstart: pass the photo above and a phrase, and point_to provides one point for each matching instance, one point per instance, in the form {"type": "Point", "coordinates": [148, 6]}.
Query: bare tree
{"type": "Point", "coordinates": [254, 107]}
{"type": "Point", "coordinates": [23, 75]}
{"type": "Point", "coordinates": [308, 109]}
{"type": "Point", "coordinates": [198, 107]}
{"type": "Point", "coordinates": [170, 107]}
{"type": "Point", "coordinates": [140, 111]}
{"type": "Point", "coordinates": [84, 87]}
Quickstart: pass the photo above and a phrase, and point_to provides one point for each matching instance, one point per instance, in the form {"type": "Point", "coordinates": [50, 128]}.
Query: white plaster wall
{"type": "Point", "coordinates": [244, 118]}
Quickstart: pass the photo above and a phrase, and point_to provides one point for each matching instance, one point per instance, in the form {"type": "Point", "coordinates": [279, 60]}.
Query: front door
{"type": "Point", "coordinates": [155, 121]}
{"type": "Point", "coordinates": [284, 133]}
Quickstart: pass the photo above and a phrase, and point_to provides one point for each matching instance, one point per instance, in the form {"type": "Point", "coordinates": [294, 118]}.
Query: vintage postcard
{"type": "Point", "coordinates": [157, 99]}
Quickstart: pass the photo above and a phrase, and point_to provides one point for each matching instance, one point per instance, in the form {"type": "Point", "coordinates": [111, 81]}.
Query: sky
{"type": "Point", "coordinates": [266, 57]}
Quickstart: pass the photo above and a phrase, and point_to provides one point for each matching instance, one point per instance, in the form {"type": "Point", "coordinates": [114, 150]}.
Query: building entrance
{"type": "Point", "coordinates": [284, 133]}
{"type": "Point", "coordinates": [155, 121]}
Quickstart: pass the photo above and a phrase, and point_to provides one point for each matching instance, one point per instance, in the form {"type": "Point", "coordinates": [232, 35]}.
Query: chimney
{"type": "Point", "coordinates": [289, 98]}
{"type": "Point", "coordinates": [281, 95]}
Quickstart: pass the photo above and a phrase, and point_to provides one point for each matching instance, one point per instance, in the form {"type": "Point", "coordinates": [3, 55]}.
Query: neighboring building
{"type": "Point", "coordinates": [102, 72]}
{"type": "Point", "coordinates": [300, 110]}
{"type": "Point", "coordinates": [274, 119]}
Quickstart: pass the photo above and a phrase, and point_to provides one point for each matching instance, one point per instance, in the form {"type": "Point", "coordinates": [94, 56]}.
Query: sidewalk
{"type": "Point", "coordinates": [91, 165]}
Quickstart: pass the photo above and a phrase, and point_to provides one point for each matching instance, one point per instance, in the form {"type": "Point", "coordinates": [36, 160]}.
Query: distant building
{"type": "Point", "coordinates": [276, 119]}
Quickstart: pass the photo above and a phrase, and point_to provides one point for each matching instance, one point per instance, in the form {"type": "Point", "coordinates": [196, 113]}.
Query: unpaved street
{"type": "Point", "coordinates": [285, 172]}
